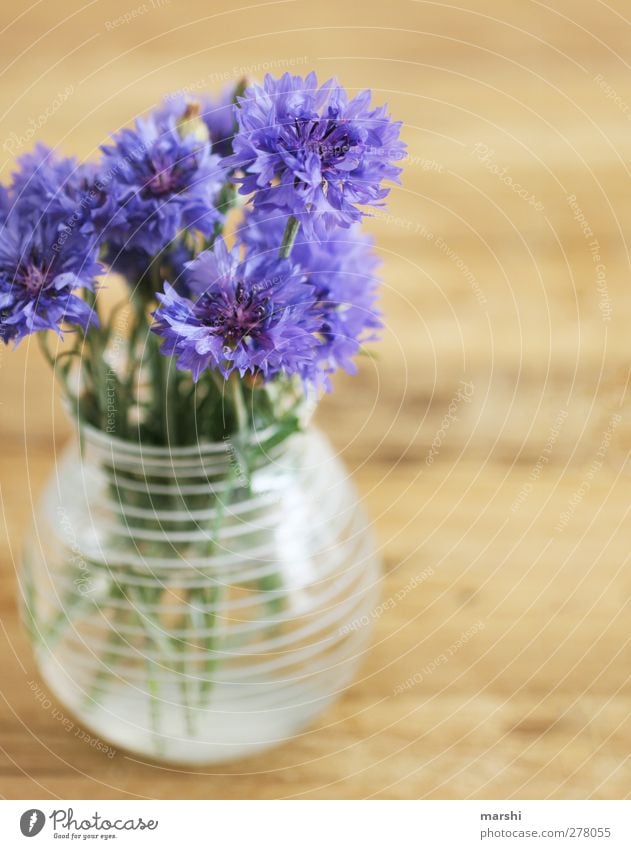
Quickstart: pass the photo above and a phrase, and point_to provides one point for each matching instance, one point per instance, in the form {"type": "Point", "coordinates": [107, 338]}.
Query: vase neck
{"type": "Point", "coordinates": [236, 458]}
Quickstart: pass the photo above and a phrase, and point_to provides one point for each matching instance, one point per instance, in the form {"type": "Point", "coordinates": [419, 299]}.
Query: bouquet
{"type": "Point", "coordinates": [236, 226]}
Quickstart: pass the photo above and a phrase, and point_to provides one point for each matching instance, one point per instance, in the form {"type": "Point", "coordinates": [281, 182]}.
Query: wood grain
{"type": "Point", "coordinates": [510, 110]}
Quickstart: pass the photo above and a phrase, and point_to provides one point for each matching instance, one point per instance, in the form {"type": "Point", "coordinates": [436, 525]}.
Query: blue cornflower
{"type": "Point", "coordinates": [341, 269]}
{"type": "Point", "coordinates": [47, 183]}
{"type": "Point", "coordinates": [309, 149]}
{"type": "Point", "coordinates": [250, 316]}
{"type": "Point", "coordinates": [164, 179]}
{"type": "Point", "coordinates": [42, 263]}
{"type": "Point", "coordinates": [73, 193]}
{"type": "Point", "coordinates": [5, 204]}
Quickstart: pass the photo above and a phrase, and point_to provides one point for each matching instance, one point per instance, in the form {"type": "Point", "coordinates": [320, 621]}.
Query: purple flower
{"type": "Point", "coordinates": [42, 263]}
{"type": "Point", "coordinates": [48, 246]}
{"type": "Point", "coordinates": [163, 180]}
{"type": "Point", "coordinates": [47, 183]}
{"type": "Point", "coordinates": [50, 185]}
{"type": "Point", "coordinates": [5, 204]}
{"type": "Point", "coordinates": [341, 269]}
{"type": "Point", "coordinates": [250, 316]}
{"type": "Point", "coordinates": [305, 149]}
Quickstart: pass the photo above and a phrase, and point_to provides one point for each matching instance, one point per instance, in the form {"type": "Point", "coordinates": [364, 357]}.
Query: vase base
{"type": "Point", "coordinates": [198, 736]}
{"type": "Point", "coordinates": [194, 627]}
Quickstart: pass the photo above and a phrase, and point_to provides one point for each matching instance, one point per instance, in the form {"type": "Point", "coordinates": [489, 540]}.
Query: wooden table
{"type": "Point", "coordinates": [505, 671]}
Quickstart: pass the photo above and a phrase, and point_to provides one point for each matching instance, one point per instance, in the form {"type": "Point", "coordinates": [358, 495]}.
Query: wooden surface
{"type": "Point", "coordinates": [515, 641]}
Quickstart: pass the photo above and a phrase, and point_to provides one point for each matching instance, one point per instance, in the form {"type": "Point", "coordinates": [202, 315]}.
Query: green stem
{"type": "Point", "coordinates": [189, 716]}
{"type": "Point", "coordinates": [170, 399]}
{"type": "Point", "coordinates": [160, 642]}
{"type": "Point", "coordinates": [120, 394]}
{"type": "Point", "coordinates": [289, 236]}
{"type": "Point", "coordinates": [212, 594]}
{"type": "Point", "coordinates": [78, 604]}
{"type": "Point", "coordinates": [238, 404]}
{"type": "Point", "coordinates": [154, 708]}
{"type": "Point", "coordinates": [159, 397]}
{"type": "Point", "coordinates": [99, 683]}
{"type": "Point", "coordinates": [129, 384]}
{"type": "Point", "coordinates": [96, 339]}
{"type": "Point", "coordinates": [110, 657]}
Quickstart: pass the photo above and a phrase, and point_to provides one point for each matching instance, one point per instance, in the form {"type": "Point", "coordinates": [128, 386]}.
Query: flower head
{"type": "Point", "coordinates": [41, 265]}
{"type": "Point", "coordinates": [250, 316]}
{"type": "Point", "coordinates": [309, 149]}
{"type": "Point", "coordinates": [53, 184]}
{"type": "Point", "coordinates": [164, 179]}
{"type": "Point", "coordinates": [5, 204]}
{"type": "Point", "coordinates": [49, 185]}
{"type": "Point", "coordinates": [341, 269]}
{"type": "Point", "coordinates": [48, 248]}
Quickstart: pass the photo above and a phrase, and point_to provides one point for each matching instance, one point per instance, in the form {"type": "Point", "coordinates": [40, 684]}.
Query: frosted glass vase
{"type": "Point", "coordinates": [196, 605]}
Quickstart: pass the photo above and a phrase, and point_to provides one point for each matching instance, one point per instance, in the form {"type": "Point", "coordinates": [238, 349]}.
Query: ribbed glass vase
{"type": "Point", "coordinates": [193, 605]}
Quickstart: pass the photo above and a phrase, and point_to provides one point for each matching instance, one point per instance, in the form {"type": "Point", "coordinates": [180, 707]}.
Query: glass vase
{"type": "Point", "coordinates": [196, 605]}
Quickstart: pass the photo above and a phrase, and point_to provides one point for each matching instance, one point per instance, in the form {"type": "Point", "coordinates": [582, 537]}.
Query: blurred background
{"type": "Point", "coordinates": [488, 437]}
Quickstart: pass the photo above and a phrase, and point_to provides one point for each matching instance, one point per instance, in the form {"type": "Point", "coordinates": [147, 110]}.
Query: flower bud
{"type": "Point", "coordinates": [191, 124]}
